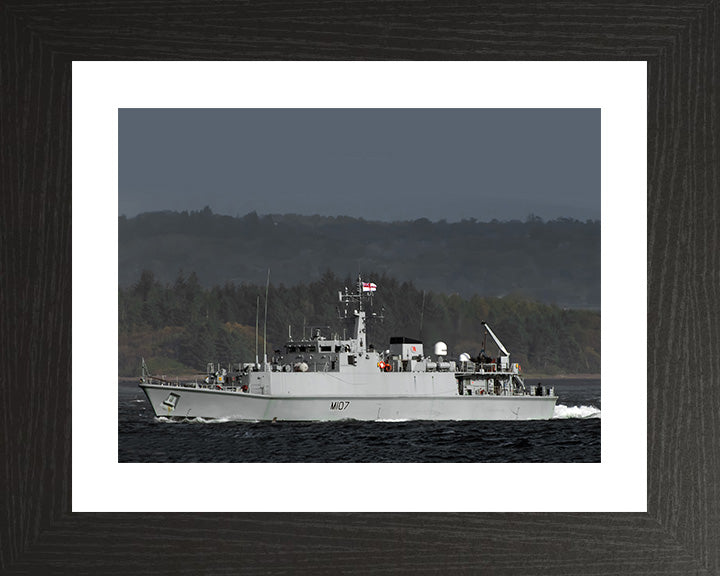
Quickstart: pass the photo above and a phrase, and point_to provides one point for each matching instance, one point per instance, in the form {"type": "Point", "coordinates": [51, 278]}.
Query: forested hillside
{"type": "Point", "coordinates": [555, 262]}
{"type": "Point", "coordinates": [182, 325]}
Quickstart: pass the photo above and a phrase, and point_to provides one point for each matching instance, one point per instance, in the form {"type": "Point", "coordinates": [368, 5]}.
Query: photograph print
{"type": "Point", "coordinates": [359, 285]}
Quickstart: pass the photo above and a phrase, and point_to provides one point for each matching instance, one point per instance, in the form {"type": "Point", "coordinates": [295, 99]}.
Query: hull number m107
{"type": "Point", "coordinates": [339, 405]}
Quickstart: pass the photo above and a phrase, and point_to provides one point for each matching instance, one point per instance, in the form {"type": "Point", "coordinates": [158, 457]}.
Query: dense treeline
{"type": "Point", "coordinates": [181, 326]}
{"type": "Point", "coordinates": [556, 262]}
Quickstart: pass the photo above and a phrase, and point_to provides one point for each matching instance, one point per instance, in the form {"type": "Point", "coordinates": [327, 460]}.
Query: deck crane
{"type": "Point", "coordinates": [505, 357]}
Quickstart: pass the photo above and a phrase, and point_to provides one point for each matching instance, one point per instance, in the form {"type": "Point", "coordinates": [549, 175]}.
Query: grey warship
{"type": "Point", "coordinates": [325, 377]}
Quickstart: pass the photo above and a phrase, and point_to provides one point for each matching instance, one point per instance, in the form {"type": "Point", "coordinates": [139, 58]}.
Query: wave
{"type": "Point", "coordinates": [562, 411]}
{"type": "Point", "coordinates": [196, 420]}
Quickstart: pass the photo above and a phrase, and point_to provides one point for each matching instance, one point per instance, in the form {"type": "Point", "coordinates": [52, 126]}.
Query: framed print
{"type": "Point", "coordinates": [677, 532]}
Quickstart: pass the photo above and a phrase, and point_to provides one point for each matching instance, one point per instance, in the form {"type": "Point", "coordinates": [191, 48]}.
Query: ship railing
{"type": "Point", "coordinates": [160, 381]}
{"type": "Point", "coordinates": [157, 381]}
{"type": "Point", "coordinates": [467, 366]}
{"type": "Point", "coordinates": [475, 367]}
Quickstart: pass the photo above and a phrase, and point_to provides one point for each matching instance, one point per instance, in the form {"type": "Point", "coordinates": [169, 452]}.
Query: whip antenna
{"type": "Point", "coordinates": [267, 286]}
{"type": "Point", "coordinates": [257, 321]}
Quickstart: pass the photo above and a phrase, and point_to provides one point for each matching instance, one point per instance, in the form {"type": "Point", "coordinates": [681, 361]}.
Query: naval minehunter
{"type": "Point", "coordinates": [329, 378]}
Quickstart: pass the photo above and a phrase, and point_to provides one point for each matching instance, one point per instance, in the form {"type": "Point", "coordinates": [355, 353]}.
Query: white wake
{"type": "Point", "coordinates": [562, 411]}
{"type": "Point", "coordinates": [196, 420]}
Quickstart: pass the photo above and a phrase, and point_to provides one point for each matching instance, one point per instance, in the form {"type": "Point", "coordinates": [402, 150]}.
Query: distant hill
{"type": "Point", "coordinates": [555, 262]}
{"type": "Point", "coordinates": [178, 328]}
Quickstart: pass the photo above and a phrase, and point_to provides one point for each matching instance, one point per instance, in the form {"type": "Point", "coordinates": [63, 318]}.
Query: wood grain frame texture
{"type": "Point", "coordinates": [680, 533]}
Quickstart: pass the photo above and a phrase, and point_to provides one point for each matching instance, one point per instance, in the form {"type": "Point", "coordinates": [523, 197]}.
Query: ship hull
{"type": "Point", "coordinates": [181, 402]}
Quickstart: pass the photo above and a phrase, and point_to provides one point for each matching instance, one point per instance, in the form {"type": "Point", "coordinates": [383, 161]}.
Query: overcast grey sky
{"type": "Point", "coordinates": [391, 164]}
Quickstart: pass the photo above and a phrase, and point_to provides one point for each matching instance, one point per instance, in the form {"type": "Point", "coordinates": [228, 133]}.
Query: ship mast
{"type": "Point", "coordinates": [359, 325]}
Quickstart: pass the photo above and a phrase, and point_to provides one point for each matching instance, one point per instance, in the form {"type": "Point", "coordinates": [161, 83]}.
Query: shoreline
{"type": "Point", "coordinates": [192, 377]}
{"type": "Point", "coordinates": [562, 376]}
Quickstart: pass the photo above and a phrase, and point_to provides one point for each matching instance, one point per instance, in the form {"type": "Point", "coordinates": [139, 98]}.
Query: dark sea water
{"type": "Point", "coordinates": [573, 435]}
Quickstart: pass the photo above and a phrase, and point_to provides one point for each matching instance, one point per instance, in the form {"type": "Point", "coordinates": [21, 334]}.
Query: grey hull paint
{"type": "Point", "coordinates": [181, 402]}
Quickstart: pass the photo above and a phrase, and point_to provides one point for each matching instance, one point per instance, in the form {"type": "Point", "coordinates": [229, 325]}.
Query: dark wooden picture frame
{"type": "Point", "coordinates": [680, 533]}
